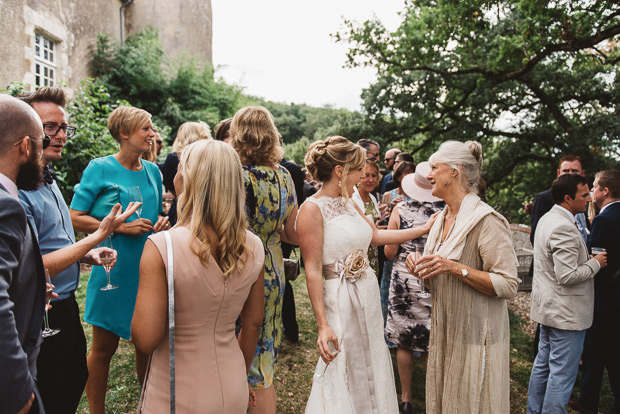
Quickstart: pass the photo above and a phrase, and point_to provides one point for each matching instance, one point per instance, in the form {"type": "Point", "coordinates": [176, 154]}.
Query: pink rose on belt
{"type": "Point", "coordinates": [353, 266]}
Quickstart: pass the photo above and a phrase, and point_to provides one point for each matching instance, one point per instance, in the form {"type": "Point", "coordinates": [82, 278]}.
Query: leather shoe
{"type": "Point", "coordinates": [576, 405]}
{"type": "Point", "coordinates": [405, 407]}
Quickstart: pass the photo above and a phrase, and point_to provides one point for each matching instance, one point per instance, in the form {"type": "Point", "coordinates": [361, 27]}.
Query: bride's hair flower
{"type": "Point", "coordinates": [354, 265]}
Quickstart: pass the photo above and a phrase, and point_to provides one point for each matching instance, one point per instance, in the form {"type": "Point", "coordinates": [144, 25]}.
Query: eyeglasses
{"type": "Point", "coordinates": [45, 140]}
{"type": "Point", "coordinates": [389, 159]}
{"type": "Point", "coordinates": [53, 129]}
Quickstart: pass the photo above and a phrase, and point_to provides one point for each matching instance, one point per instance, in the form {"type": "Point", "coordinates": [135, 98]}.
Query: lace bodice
{"type": "Point", "coordinates": [344, 229]}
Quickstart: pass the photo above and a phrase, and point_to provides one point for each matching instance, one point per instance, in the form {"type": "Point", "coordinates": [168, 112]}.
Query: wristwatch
{"type": "Point", "coordinates": [464, 273]}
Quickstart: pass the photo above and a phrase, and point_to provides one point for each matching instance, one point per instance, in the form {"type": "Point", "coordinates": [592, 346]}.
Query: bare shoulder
{"type": "Point", "coordinates": [309, 218]}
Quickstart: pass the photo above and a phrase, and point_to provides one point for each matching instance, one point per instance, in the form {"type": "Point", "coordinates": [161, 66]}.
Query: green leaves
{"type": "Point", "coordinates": [172, 91]}
{"type": "Point", "coordinates": [532, 80]}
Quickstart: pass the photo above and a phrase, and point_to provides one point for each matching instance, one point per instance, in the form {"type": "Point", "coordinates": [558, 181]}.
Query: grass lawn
{"type": "Point", "coordinates": [296, 366]}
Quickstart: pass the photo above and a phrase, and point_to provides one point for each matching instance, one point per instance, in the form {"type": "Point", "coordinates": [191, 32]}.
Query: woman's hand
{"type": "Point", "coordinates": [116, 217]}
{"type": "Point", "coordinates": [429, 266]}
{"type": "Point", "coordinates": [93, 257]}
{"type": "Point", "coordinates": [384, 211]}
{"type": "Point", "coordinates": [396, 201]}
{"type": "Point", "coordinates": [162, 224]}
{"type": "Point", "coordinates": [136, 227]}
{"type": "Point", "coordinates": [251, 398]}
{"type": "Point", "coordinates": [326, 335]}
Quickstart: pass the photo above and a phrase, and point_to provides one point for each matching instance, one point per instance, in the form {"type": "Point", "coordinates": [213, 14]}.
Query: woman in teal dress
{"type": "Point", "coordinates": [107, 181]}
{"type": "Point", "coordinates": [271, 207]}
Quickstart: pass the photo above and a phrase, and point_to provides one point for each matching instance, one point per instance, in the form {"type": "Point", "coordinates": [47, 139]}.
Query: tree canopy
{"type": "Point", "coordinates": [531, 80]}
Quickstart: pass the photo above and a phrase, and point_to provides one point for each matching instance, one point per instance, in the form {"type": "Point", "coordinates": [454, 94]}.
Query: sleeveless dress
{"type": "Point", "coordinates": [409, 313]}
{"type": "Point", "coordinates": [210, 369]}
{"type": "Point", "coordinates": [344, 232]}
{"type": "Point", "coordinates": [270, 201]}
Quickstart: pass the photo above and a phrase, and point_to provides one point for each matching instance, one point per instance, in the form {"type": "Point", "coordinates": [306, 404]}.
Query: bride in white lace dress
{"type": "Point", "coordinates": [354, 374]}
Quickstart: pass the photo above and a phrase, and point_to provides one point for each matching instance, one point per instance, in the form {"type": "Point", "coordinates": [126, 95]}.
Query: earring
{"type": "Point", "coordinates": [339, 183]}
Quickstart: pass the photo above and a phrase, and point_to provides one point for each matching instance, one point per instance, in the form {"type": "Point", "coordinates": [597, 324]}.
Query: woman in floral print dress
{"type": "Point", "coordinates": [271, 208]}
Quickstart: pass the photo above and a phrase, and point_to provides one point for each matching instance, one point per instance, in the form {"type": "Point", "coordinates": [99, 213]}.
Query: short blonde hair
{"type": "Point", "coordinates": [190, 132]}
{"type": "Point", "coordinates": [323, 156]}
{"type": "Point", "coordinates": [255, 137]}
{"type": "Point", "coordinates": [466, 158]}
{"type": "Point", "coordinates": [213, 199]}
{"type": "Point", "coordinates": [126, 120]}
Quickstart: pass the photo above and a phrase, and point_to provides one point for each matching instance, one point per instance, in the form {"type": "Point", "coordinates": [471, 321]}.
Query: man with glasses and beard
{"type": "Point", "coordinates": [22, 276]}
{"type": "Point", "coordinates": [61, 366]}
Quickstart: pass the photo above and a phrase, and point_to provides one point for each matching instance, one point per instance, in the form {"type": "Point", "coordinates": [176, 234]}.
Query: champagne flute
{"type": "Point", "coordinates": [168, 199]}
{"type": "Point", "coordinates": [136, 196]}
{"type": "Point", "coordinates": [424, 293]}
{"type": "Point", "coordinates": [107, 258]}
{"type": "Point", "coordinates": [47, 332]}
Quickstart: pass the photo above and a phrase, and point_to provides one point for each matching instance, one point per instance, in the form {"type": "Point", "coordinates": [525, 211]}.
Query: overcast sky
{"type": "Point", "coordinates": [282, 50]}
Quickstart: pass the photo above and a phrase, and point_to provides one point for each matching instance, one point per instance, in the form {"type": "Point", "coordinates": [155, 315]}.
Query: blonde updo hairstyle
{"type": "Point", "coordinates": [190, 132]}
{"type": "Point", "coordinates": [255, 137]}
{"type": "Point", "coordinates": [466, 158]}
{"type": "Point", "coordinates": [214, 198]}
{"type": "Point", "coordinates": [323, 156]}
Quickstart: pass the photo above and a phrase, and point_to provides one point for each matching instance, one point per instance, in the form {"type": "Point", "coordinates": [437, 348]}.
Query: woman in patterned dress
{"type": "Point", "coordinates": [409, 304]}
{"type": "Point", "coordinates": [391, 199]}
{"type": "Point", "coordinates": [271, 207]}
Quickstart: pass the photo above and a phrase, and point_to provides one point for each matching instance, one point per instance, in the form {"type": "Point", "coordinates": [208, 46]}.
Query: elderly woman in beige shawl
{"type": "Point", "coordinates": [471, 269]}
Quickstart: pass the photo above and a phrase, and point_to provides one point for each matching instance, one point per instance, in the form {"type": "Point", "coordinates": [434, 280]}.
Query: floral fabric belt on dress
{"type": "Point", "coordinates": [349, 270]}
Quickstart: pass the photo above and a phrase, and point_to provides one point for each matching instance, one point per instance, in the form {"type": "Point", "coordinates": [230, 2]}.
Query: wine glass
{"type": "Point", "coordinates": [168, 200]}
{"type": "Point", "coordinates": [47, 332]}
{"type": "Point", "coordinates": [107, 258]}
{"type": "Point", "coordinates": [424, 293]}
{"type": "Point", "coordinates": [136, 196]}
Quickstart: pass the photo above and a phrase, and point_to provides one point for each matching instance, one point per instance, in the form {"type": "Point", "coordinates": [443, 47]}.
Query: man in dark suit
{"type": "Point", "coordinates": [22, 277]}
{"type": "Point", "coordinates": [602, 343]}
{"type": "Point", "coordinates": [570, 164]}
{"type": "Point", "coordinates": [289, 314]}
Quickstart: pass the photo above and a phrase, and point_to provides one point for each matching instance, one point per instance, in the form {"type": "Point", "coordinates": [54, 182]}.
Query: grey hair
{"type": "Point", "coordinates": [466, 158]}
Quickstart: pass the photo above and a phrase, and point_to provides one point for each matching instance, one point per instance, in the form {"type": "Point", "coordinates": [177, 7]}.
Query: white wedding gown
{"type": "Point", "coordinates": [344, 231]}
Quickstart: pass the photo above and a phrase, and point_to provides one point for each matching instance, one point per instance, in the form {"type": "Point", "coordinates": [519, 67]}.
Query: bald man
{"type": "Point", "coordinates": [22, 276]}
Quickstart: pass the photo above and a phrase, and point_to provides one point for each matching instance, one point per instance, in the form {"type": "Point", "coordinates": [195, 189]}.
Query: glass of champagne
{"type": "Point", "coordinates": [47, 332]}
{"type": "Point", "coordinates": [424, 293]}
{"type": "Point", "coordinates": [168, 200]}
{"type": "Point", "coordinates": [136, 196]}
{"type": "Point", "coordinates": [107, 258]}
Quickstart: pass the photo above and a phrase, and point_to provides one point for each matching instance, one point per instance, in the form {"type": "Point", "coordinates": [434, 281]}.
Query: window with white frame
{"type": "Point", "coordinates": [44, 61]}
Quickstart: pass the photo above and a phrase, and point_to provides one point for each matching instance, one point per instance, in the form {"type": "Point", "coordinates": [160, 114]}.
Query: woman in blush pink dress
{"type": "Point", "coordinates": [218, 275]}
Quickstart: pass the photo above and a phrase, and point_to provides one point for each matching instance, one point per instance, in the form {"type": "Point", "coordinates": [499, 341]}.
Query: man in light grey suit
{"type": "Point", "coordinates": [562, 296]}
{"type": "Point", "coordinates": [22, 277]}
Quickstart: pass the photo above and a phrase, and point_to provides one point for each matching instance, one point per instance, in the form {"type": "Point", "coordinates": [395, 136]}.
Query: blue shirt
{"type": "Point", "coordinates": [49, 216]}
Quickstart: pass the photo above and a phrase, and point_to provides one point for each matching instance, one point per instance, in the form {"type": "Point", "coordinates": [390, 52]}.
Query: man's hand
{"type": "Point", "coordinates": [49, 295]}
{"type": "Point", "coordinates": [601, 258]}
{"type": "Point", "coordinates": [116, 217]}
{"type": "Point", "coordinates": [93, 257]}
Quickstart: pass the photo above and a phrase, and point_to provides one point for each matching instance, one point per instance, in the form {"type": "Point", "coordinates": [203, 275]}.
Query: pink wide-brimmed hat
{"type": "Point", "coordinates": [417, 186]}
